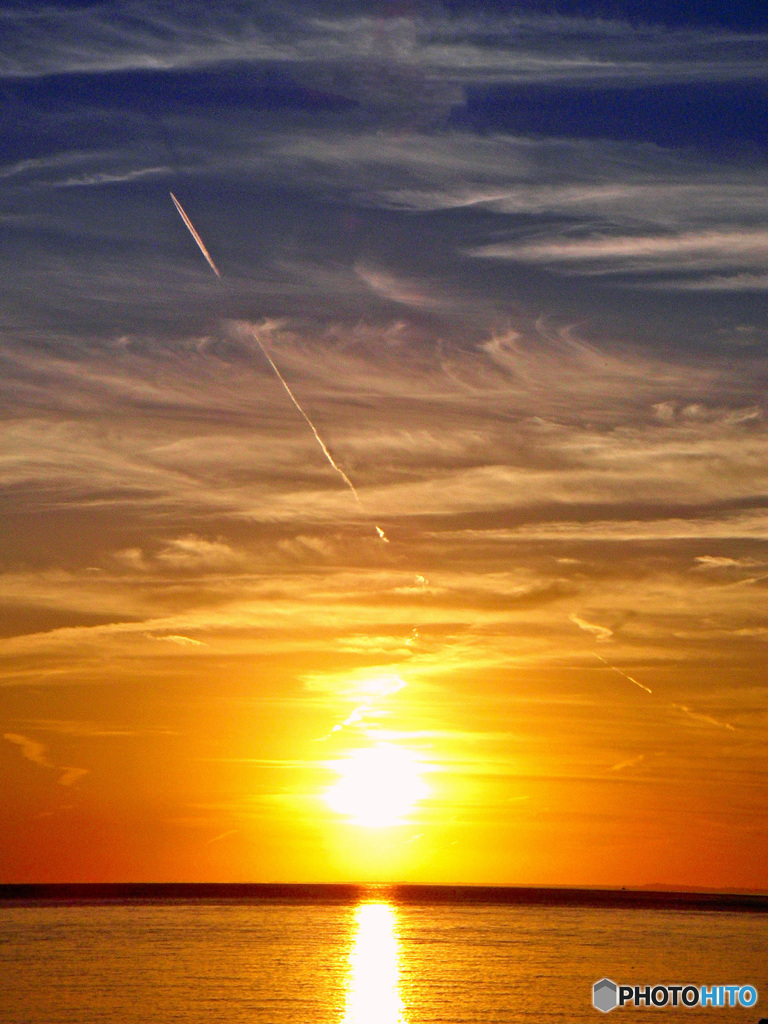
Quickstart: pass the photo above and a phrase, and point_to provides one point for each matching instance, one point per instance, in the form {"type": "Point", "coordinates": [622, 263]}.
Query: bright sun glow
{"type": "Point", "coordinates": [378, 787]}
{"type": "Point", "coordinates": [373, 995]}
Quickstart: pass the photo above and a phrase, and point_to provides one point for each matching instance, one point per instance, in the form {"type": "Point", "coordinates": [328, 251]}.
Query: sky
{"type": "Point", "coordinates": [428, 542]}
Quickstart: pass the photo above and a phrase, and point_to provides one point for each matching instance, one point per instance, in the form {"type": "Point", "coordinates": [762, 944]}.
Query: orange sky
{"type": "Point", "coordinates": [535, 349]}
{"type": "Point", "coordinates": [189, 673]}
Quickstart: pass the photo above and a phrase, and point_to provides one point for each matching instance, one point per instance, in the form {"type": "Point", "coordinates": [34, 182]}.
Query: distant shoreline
{"type": "Point", "coordinates": [162, 892]}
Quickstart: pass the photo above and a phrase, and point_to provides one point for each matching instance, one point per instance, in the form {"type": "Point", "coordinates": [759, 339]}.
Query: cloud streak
{"type": "Point", "coordinates": [650, 433]}
{"type": "Point", "coordinates": [30, 749]}
{"type": "Point", "coordinates": [600, 633]}
{"type": "Point", "coordinates": [37, 753]}
{"type": "Point", "coordinates": [681, 253]}
{"type": "Point", "coordinates": [516, 48]}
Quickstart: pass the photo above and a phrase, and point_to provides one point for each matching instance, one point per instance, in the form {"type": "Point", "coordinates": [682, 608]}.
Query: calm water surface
{"type": "Point", "coordinates": [373, 963]}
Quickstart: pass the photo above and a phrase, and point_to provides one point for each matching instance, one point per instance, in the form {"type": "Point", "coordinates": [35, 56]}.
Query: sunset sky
{"type": "Point", "coordinates": [512, 263]}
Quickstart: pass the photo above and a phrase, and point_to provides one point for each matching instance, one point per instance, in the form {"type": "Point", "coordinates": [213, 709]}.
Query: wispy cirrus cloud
{"type": "Point", "coordinates": [600, 633]}
{"type": "Point", "coordinates": [515, 48]}
{"type": "Point", "coordinates": [37, 753]}
{"type": "Point", "coordinates": [228, 455]}
{"type": "Point", "coordinates": [74, 727]}
{"type": "Point", "coordinates": [192, 552]}
{"type": "Point", "coordinates": [739, 282]}
{"type": "Point", "coordinates": [708, 563]}
{"type": "Point", "coordinates": [747, 525]}
{"type": "Point", "coordinates": [612, 211]}
{"type": "Point", "coordinates": [59, 40]}
{"type": "Point", "coordinates": [30, 749]}
{"type": "Point", "coordinates": [180, 641]}
{"type": "Point", "coordinates": [630, 762]}
{"type": "Point", "coordinates": [398, 290]}
{"type": "Point", "coordinates": [602, 209]}
{"type": "Point", "coordinates": [681, 253]}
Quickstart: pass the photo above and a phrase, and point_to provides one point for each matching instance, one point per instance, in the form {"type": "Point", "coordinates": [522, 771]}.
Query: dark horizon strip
{"type": "Point", "coordinates": [131, 892]}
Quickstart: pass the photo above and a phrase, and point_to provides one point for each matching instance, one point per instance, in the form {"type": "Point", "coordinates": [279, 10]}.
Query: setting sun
{"type": "Point", "coordinates": [378, 786]}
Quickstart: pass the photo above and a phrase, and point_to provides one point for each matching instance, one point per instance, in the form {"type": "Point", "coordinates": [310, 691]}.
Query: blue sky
{"type": "Point", "coordinates": [515, 141]}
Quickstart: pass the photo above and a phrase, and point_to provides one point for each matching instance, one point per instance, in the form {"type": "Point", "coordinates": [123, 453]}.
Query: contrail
{"type": "Point", "coordinates": [280, 377]}
{"type": "Point", "coordinates": [623, 674]}
{"type": "Point", "coordinates": [312, 426]}
{"type": "Point", "coordinates": [382, 536]}
{"type": "Point", "coordinates": [195, 235]}
{"type": "Point", "coordinates": [708, 719]}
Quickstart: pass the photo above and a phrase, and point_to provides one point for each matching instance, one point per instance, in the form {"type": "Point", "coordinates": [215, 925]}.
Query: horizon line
{"type": "Point", "coordinates": [596, 897]}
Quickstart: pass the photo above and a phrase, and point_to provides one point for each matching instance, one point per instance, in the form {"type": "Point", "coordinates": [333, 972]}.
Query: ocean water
{"type": "Point", "coordinates": [369, 962]}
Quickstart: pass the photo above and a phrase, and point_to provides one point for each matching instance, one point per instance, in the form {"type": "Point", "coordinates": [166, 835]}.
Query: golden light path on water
{"type": "Point", "coordinates": [373, 984]}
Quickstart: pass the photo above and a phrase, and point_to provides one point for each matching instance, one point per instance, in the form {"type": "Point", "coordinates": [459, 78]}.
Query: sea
{"type": "Point", "coordinates": [364, 955]}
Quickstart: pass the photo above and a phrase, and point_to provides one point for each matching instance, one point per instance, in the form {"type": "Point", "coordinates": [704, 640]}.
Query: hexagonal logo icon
{"type": "Point", "coordinates": [605, 995]}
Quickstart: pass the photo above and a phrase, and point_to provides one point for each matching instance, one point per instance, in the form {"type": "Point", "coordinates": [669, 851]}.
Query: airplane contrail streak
{"type": "Point", "coordinates": [623, 674]}
{"type": "Point", "coordinates": [382, 536]}
{"type": "Point", "coordinates": [195, 235]}
{"type": "Point", "coordinates": [311, 425]}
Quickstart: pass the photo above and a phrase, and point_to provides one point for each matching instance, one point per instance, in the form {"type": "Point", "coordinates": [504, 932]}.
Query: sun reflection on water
{"type": "Point", "coordinates": [373, 993]}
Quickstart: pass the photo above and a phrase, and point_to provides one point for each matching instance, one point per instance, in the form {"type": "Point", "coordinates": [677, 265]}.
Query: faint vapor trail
{"type": "Point", "coordinates": [283, 381]}
{"type": "Point", "coordinates": [195, 235]}
{"type": "Point", "coordinates": [313, 428]}
{"type": "Point", "coordinates": [382, 536]}
{"type": "Point", "coordinates": [623, 674]}
{"type": "Point", "coordinates": [695, 715]}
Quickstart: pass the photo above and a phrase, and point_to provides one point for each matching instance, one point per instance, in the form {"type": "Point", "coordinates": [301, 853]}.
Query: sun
{"type": "Point", "coordinates": [378, 786]}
